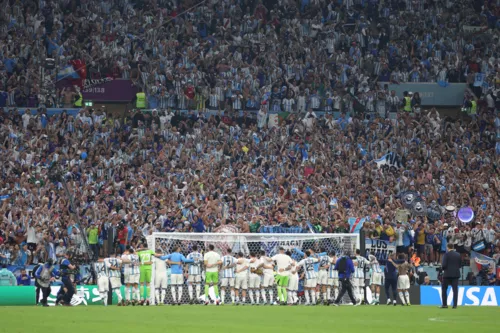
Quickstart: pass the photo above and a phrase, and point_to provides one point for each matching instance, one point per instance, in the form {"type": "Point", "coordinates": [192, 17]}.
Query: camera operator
{"type": "Point", "coordinates": [67, 270]}
{"type": "Point", "coordinates": [44, 275]}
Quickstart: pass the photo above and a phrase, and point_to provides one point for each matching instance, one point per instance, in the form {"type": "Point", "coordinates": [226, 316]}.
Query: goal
{"type": "Point", "coordinates": [174, 290]}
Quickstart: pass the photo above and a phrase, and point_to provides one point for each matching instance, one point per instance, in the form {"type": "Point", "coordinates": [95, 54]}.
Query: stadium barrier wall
{"type": "Point", "coordinates": [432, 94]}
{"type": "Point", "coordinates": [414, 295]}
{"type": "Point", "coordinates": [21, 295]}
{"type": "Point", "coordinates": [467, 295]}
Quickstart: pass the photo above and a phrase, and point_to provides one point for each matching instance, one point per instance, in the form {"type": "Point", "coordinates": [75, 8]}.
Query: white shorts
{"type": "Point", "coordinates": [358, 282]}
{"type": "Point", "coordinates": [254, 282]}
{"type": "Point", "coordinates": [267, 280]}
{"type": "Point", "coordinates": [403, 282]}
{"type": "Point", "coordinates": [293, 282]}
{"type": "Point", "coordinates": [333, 282]}
{"type": "Point", "coordinates": [241, 282]}
{"type": "Point", "coordinates": [377, 279]}
{"type": "Point", "coordinates": [322, 277]}
{"type": "Point", "coordinates": [161, 281]}
{"type": "Point", "coordinates": [227, 282]}
{"type": "Point", "coordinates": [176, 279]}
{"type": "Point", "coordinates": [103, 284]}
{"type": "Point", "coordinates": [310, 283]}
{"type": "Point", "coordinates": [132, 279]}
{"type": "Point", "coordinates": [196, 279]}
{"type": "Point", "coordinates": [115, 282]}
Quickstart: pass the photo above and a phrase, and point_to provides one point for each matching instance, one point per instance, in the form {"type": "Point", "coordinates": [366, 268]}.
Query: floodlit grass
{"type": "Point", "coordinates": [242, 319]}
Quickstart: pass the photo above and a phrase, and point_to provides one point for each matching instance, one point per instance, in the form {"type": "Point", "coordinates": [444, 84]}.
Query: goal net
{"type": "Point", "coordinates": [169, 287]}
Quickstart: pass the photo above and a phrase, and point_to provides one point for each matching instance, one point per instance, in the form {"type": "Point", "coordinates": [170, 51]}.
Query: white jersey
{"type": "Point", "coordinates": [267, 262]}
{"type": "Point", "coordinates": [160, 266]}
{"type": "Point", "coordinates": [374, 264]}
{"type": "Point", "coordinates": [332, 272]}
{"type": "Point", "coordinates": [131, 268]}
{"type": "Point", "coordinates": [324, 262]}
{"type": "Point", "coordinates": [254, 263]}
{"type": "Point", "coordinates": [359, 271]}
{"type": "Point", "coordinates": [308, 264]}
{"type": "Point", "coordinates": [101, 269]}
{"type": "Point", "coordinates": [228, 260]}
{"type": "Point", "coordinates": [113, 262]}
{"type": "Point", "coordinates": [282, 262]}
{"type": "Point", "coordinates": [240, 265]}
{"type": "Point", "coordinates": [195, 267]}
{"type": "Point", "coordinates": [212, 258]}
{"type": "Point", "coordinates": [294, 270]}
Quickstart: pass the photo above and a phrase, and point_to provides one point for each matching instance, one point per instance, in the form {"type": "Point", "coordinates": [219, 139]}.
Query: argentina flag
{"type": "Point", "coordinates": [390, 159]}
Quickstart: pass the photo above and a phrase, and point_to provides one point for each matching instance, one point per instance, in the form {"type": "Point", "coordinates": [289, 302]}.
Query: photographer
{"type": "Point", "coordinates": [45, 274]}
{"type": "Point", "coordinates": [67, 270]}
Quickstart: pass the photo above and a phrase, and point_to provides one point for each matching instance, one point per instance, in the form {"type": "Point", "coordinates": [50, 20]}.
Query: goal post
{"type": "Point", "coordinates": [246, 243]}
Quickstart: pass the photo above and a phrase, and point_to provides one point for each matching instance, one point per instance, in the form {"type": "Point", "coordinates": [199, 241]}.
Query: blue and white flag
{"type": "Point", "coordinates": [67, 73]}
{"type": "Point", "coordinates": [390, 159]}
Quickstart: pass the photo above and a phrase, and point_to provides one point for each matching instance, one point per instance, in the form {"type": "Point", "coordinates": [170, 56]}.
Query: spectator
{"type": "Point", "coordinates": [23, 279]}
{"type": "Point", "coordinates": [7, 278]}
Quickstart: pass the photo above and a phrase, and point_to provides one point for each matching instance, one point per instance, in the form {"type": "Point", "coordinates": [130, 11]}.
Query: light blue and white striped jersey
{"type": "Point", "coordinates": [324, 261]}
{"type": "Point", "coordinates": [101, 269]}
{"type": "Point", "coordinates": [374, 264]}
{"type": "Point", "coordinates": [113, 262]}
{"type": "Point", "coordinates": [131, 268]}
{"type": "Point", "coordinates": [308, 264]}
{"type": "Point", "coordinates": [195, 267]}
{"type": "Point", "coordinates": [226, 261]}
{"type": "Point", "coordinates": [332, 272]}
{"type": "Point", "coordinates": [359, 270]}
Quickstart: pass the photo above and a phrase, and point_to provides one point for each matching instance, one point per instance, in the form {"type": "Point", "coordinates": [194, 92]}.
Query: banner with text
{"type": "Point", "coordinates": [382, 249]}
{"type": "Point", "coordinates": [84, 295]}
{"type": "Point", "coordinates": [110, 91]}
{"type": "Point", "coordinates": [467, 295]}
{"type": "Point", "coordinates": [104, 90]}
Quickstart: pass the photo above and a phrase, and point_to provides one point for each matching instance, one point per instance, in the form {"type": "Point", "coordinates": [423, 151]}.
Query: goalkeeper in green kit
{"type": "Point", "coordinates": [146, 259]}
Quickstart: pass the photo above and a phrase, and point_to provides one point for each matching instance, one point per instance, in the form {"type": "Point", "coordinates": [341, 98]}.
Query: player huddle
{"type": "Point", "coordinates": [241, 279]}
{"type": "Point", "coordinates": [137, 269]}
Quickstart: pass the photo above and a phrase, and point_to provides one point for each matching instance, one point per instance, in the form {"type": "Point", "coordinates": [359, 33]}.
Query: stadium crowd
{"type": "Point", "coordinates": [191, 172]}
{"type": "Point", "coordinates": [230, 53]}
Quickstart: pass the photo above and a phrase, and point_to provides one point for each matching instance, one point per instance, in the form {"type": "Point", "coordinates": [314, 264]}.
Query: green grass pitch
{"type": "Point", "coordinates": [242, 319]}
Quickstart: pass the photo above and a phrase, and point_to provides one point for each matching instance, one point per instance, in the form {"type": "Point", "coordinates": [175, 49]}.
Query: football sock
{"type": "Point", "coordinates": [163, 294]}
{"type": "Point", "coordinates": [402, 297]}
{"type": "Point", "coordinates": [172, 289]}
{"type": "Point", "coordinates": [190, 292]}
{"type": "Point", "coordinates": [407, 297]}
{"type": "Point", "coordinates": [127, 293]}
{"type": "Point", "coordinates": [118, 294]}
{"type": "Point", "coordinates": [104, 297]}
{"type": "Point", "coordinates": [180, 290]}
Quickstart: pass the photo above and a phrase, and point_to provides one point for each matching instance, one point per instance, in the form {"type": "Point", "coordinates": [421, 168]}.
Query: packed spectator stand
{"type": "Point", "coordinates": [198, 171]}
